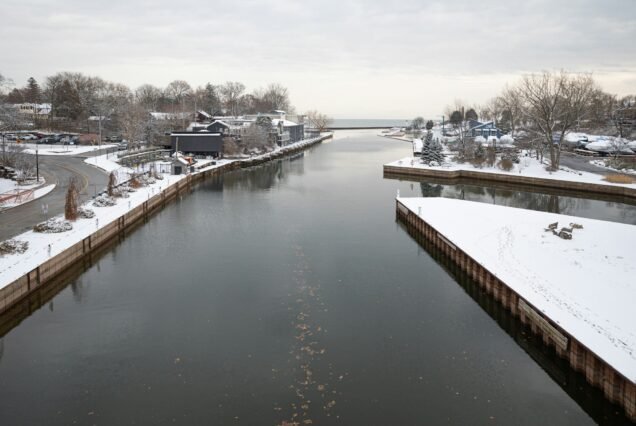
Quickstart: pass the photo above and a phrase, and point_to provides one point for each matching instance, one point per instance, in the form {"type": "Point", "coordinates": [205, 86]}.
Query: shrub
{"type": "Point", "coordinates": [13, 247]}
{"type": "Point", "coordinates": [53, 226]}
{"type": "Point", "coordinates": [478, 162]}
{"type": "Point", "coordinates": [505, 164]}
{"type": "Point", "coordinates": [491, 156]}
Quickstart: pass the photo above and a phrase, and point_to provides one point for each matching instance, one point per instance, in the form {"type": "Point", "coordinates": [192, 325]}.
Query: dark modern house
{"type": "Point", "coordinates": [486, 130]}
{"type": "Point", "coordinates": [197, 143]}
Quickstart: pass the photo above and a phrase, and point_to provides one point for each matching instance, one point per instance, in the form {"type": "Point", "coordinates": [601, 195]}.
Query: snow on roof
{"type": "Point", "coordinates": [203, 113]}
{"type": "Point", "coordinates": [200, 133]}
{"type": "Point", "coordinates": [482, 125]}
{"type": "Point", "coordinates": [169, 115]}
{"type": "Point", "coordinates": [286, 123]}
{"type": "Point", "coordinates": [610, 145]}
{"type": "Point", "coordinates": [586, 285]}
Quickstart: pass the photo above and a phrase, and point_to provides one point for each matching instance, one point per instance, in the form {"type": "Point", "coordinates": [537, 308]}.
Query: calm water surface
{"type": "Point", "coordinates": [286, 292]}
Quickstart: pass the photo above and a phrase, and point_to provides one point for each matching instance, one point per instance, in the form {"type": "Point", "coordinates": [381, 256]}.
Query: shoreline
{"type": "Point", "coordinates": [36, 268]}
{"type": "Point", "coordinates": [552, 300]}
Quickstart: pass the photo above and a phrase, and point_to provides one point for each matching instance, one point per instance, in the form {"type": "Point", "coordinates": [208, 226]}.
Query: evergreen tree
{"type": "Point", "coordinates": [32, 91]}
{"type": "Point", "coordinates": [427, 148]}
{"type": "Point", "coordinates": [436, 152]}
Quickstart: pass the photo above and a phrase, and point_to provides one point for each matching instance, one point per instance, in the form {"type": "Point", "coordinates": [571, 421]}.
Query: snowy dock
{"type": "Point", "coordinates": [528, 173]}
{"type": "Point", "coordinates": [578, 294]}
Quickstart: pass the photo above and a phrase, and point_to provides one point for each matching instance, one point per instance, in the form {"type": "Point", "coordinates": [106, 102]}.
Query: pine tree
{"type": "Point", "coordinates": [436, 153]}
{"type": "Point", "coordinates": [32, 92]}
{"type": "Point", "coordinates": [427, 148]}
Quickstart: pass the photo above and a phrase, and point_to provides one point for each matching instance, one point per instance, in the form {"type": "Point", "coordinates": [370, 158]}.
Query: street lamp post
{"type": "Point", "coordinates": [37, 164]}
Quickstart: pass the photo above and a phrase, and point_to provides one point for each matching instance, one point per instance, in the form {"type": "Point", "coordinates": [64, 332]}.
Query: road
{"type": "Point", "coordinates": [581, 163]}
{"type": "Point", "coordinates": [58, 170]}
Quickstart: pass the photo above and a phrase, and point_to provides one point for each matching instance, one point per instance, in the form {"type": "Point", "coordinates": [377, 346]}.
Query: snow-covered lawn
{"type": "Point", "coordinates": [587, 284]}
{"type": "Point", "coordinates": [62, 149]}
{"type": "Point", "coordinates": [528, 167]}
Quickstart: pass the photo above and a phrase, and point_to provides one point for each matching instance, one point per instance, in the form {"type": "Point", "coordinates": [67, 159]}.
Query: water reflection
{"type": "Point", "coordinates": [277, 173]}
{"type": "Point", "coordinates": [534, 200]}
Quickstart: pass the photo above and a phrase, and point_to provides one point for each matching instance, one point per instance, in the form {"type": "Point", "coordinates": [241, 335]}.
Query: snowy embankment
{"type": "Point", "coordinates": [14, 266]}
{"type": "Point", "coordinates": [527, 167]}
{"type": "Point", "coordinates": [586, 284]}
{"type": "Point", "coordinates": [62, 149]}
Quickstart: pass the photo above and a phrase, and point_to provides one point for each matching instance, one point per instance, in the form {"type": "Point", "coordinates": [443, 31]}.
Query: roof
{"type": "Point", "coordinates": [479, 126]}
{"type": "Point", "coordinates": [201, 133]}
{"type": "Point", "coordinates": [286, 123]}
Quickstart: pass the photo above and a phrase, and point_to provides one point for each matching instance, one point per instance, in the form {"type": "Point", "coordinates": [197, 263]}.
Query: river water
{"type": "Point", "coordinates": [288, 292]}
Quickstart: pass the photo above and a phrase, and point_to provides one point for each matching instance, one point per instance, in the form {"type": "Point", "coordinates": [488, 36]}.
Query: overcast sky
{"type": "Point", "coordinates": [350, 59]}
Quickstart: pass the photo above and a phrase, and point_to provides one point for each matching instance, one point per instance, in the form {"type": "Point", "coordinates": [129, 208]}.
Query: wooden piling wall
{"type": "Point", "coordinates": [616, 388]}
{"type": "Point", "coordinates": [14, 292]}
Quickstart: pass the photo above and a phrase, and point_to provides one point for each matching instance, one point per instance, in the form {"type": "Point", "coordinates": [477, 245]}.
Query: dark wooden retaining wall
{"type": "Point", "coordinates": [616, 388]}
{"type": "Point", "coordinates": [41, 276]}
{"type": "Point", "coordinates": [594, 188]}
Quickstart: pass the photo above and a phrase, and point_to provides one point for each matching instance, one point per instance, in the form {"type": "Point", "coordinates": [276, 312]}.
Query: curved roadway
{"type": "Point", "coordinates": [58, 170]}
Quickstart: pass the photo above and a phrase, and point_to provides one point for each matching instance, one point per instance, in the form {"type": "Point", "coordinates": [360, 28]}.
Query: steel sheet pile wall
{"type": "Point", "coordinates": [616, 388]}
{"type": "Point", "coordinates": [613, 190]}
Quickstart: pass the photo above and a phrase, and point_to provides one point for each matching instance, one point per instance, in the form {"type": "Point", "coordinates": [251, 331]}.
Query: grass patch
{"type": "Point", "coordinates": [616, 178]}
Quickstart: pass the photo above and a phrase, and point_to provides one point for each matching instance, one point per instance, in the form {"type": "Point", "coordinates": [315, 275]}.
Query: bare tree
{"type": "Point", "coordinates": [231, 93]}
{"type": "Point", "coordinates": [510, 104]}
{"type": "Point", "coordinates": [256, 138]}
{"type": "Point", "coordinates": [71, 205]}
{"type": "Point", "coordinates": [179, 91]}
{"type": "Point", "coordinates": [318, 120]}
{"type": "Point", "coordinates": [112, 183]}
{"type": "Point", "coordinates": [133, 121]}
{"type": "Point", "coordinates": [553, 104]}
{"type": "Point", "coordinates": [148, 96]}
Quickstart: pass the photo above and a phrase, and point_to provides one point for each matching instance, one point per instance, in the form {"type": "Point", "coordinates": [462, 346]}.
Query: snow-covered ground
{"type": "Point", "coordinates": [62, 149]}
{"type": "Point", "coordinates": [13, 267]}
{"type": "Point", "coordinates": [586, 285]}
{"type": "Point", "coordinates": [604, 164]}
{"type": "Point", "coordinates": [528, 166]}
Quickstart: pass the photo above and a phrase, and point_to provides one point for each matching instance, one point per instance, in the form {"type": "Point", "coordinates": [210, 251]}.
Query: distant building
{"type": "Point", "coordinates": [288, 131]}
{"type": "Point", "coordinates": [34, 110]}
{"type": "Point", "coordinates": [485, 130]}
{"type": "Point", "coordinates": [197, 143]}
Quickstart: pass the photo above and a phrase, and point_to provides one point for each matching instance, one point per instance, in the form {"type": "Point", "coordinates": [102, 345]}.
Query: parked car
{"type": "Point", "coordinates": [122, 146]}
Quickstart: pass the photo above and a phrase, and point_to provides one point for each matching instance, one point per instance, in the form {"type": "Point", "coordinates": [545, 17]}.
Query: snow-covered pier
{"type": "Point", "coordinates": [577, 294]}
{"type": "Point", "coordinates": [533, 175]}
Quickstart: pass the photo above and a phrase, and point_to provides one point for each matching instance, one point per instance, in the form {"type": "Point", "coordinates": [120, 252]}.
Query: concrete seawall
{"type": "Point", "coordinates": [615, 387]}
{"type": "Point", "coordinates": [45, 273]}
{"type": "Point", "coordinates": [582, 187]}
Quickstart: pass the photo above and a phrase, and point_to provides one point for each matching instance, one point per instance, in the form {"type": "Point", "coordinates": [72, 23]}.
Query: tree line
{"type": "Point", "coordinates": [546, 106]}
{"type": "Point", "coordinates": [74, 97]}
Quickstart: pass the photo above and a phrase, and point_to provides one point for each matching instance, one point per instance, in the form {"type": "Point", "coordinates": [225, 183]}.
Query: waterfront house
{"type": "Point", "coordinates": [485, 130]}
{"type": "Point", "coordinates": [202, 144]}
